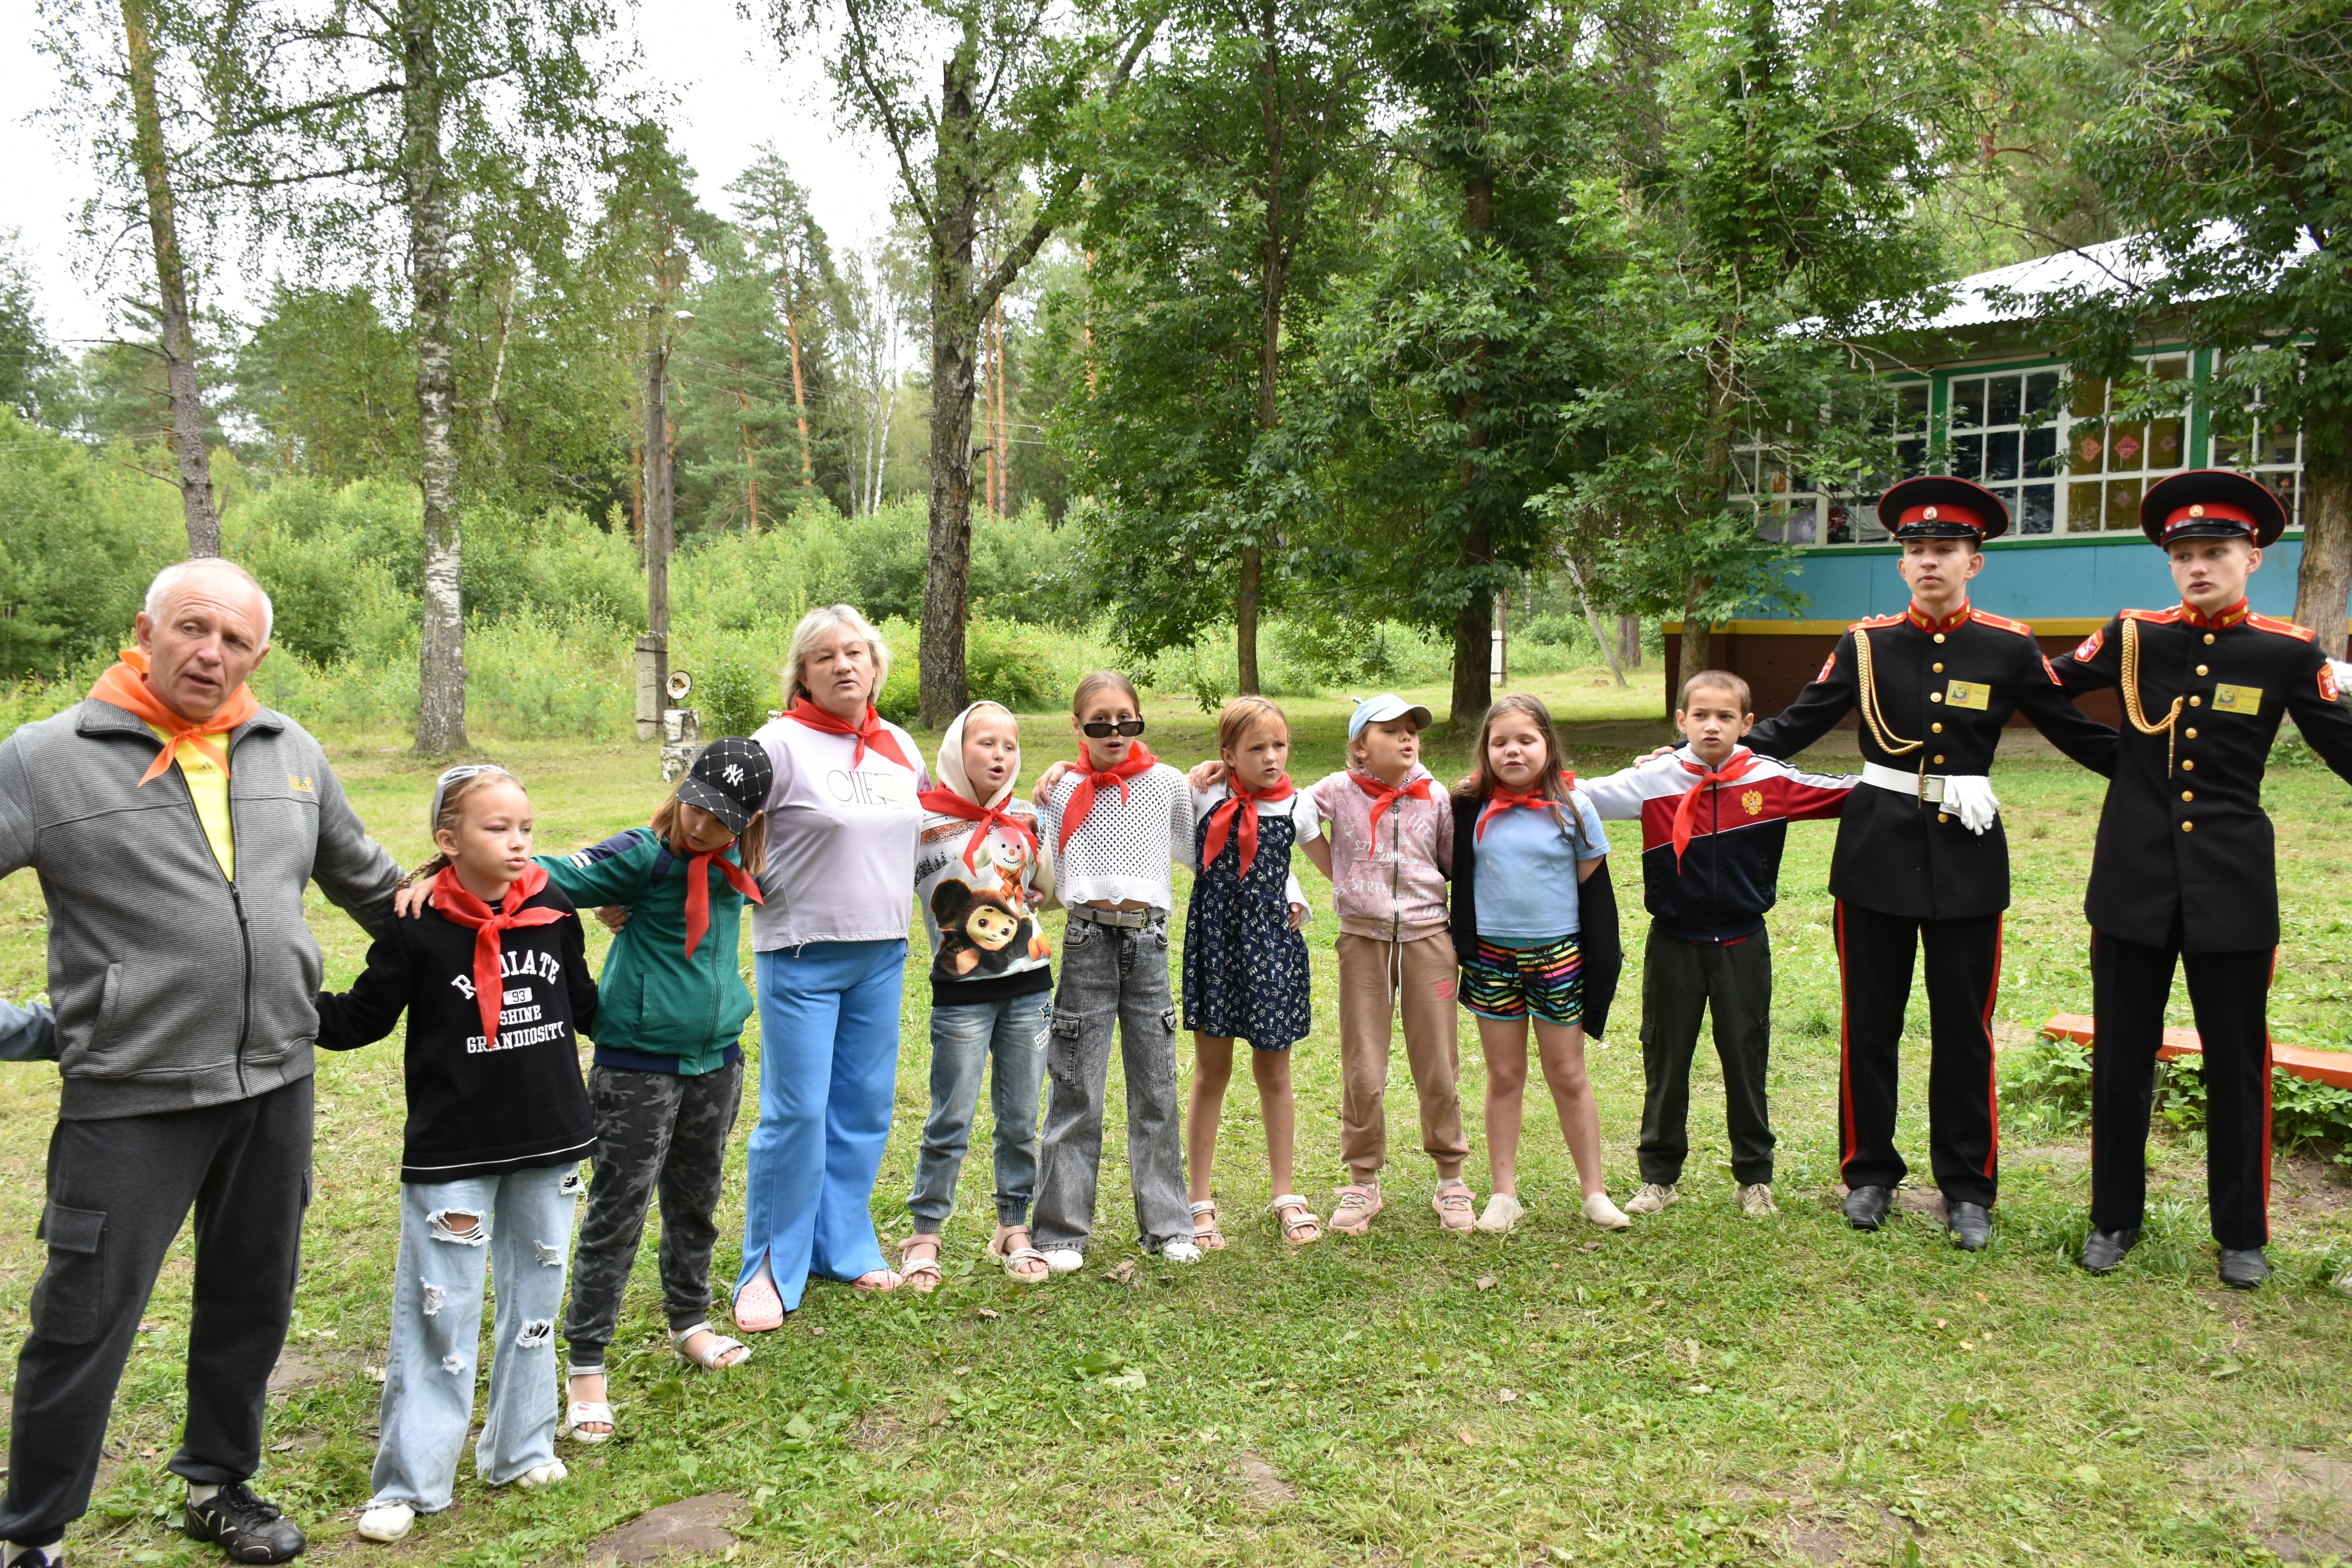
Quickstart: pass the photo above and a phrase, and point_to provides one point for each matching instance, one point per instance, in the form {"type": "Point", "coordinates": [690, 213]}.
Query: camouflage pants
{"type": "Point", "coordinates": [661, 1135]}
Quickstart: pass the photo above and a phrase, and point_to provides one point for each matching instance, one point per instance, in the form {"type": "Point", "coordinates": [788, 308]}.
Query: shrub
{"type": "Point", "coordinates": [731, 698]}
{"type": "Point", "coordinates": [2049, 1084]}
{"type": "Point", "coordinates": [1002, 665]}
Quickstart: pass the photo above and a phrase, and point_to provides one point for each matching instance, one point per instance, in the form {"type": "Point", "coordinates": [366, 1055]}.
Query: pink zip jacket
{"type": "Point", "coordinates": [1387, 882]}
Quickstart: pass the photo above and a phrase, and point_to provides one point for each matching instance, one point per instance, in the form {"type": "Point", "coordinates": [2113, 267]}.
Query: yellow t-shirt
{"type": "Point", "coordinates": [208, 787]}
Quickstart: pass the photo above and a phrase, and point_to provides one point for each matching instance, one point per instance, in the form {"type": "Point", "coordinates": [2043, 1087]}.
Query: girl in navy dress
{"type": "Point", "coordinates": [1245, 962]}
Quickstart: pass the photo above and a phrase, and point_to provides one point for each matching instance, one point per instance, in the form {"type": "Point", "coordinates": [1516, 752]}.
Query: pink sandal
{"type": "Point", "coordinates": [758, 1308]}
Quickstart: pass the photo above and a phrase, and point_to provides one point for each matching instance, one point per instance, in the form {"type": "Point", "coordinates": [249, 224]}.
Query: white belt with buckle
{"type": "Point", "coordinates": [1916, 787]}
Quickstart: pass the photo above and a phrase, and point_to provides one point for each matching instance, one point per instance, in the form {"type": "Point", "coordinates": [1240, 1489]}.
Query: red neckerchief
{"type": "Point", "coordinates": [2197, 618]}
{"type": "Point", "coordinates": [1385, 796]}
{"type": "Point", "coordinates": [1502, 799]}
{"type": "Point", "coordinates": [124, 685]}
{"type": "Point", "coordinates": [461, 907]}
{"type": "Point", "coordinates": [1741, 763]}
{"type": "Point", "coordinates": [1082, 796]}
{"type": "Point", "coordinates": [947, 802]}
{"type": "Point", "coordinates": [1958, 618]}
{"type": "Point", "coordinates": [871, 735]}
{"type": "Point", "coordinates": [697, 887]}
{"type": "Point", "coordinates": [1229, 811]}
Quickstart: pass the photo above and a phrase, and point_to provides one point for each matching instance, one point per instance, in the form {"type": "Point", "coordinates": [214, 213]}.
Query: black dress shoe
{"type": "Point", "coordinates": [2106, 1249]}
{"type": "Point", "coordinates": [1970, 1225]}
{"type": "Point", "coordinates": [2243, 1267]}
{"type": "Point", "coordinates": [1865, 1207]}
{"type": "Point", "coordinates": [249, 1529]}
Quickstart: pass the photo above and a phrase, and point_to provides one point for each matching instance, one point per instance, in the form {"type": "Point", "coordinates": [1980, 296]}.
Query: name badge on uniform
{"type": "Point", "coordinates": [2237, 699]}
{"type": "Point", "coordinates": [1973, 694]}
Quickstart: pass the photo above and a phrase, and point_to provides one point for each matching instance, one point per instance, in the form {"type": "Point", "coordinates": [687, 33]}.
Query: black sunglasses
{"type": "Point", "coordinates": [1103, 729]}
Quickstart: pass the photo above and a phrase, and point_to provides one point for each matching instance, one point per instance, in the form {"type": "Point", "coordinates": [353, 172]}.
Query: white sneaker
{"type": "Point", "coordinates": [1756, 1200]}
{"type": "Point", "coordinates": [386, 1521]}
{"type": "Point", "coordinates": [1653, 1198]}
{"type": "Point", "coordinates": [545, 1475]}
{"type": "Point", "coordinates": [1180, 1252]}
{"type": "Point", "coordinates": [1604, 1214]}
{"type": "Point", "coordinates": [1065, 1259]}
{"type": "Point", "coordinates": [1502, 1212]}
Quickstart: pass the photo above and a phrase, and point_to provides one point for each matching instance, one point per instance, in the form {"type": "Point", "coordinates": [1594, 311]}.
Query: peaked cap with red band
{"type": "Point", "coordinates": [1936, 506]}
{"type": "Point", "coordinates": [2211, 503]}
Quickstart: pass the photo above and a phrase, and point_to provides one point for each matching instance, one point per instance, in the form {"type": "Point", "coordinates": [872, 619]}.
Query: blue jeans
{"type": "Point", "coordinates": [964, 1037]}
{"type": "Point", "coordinates": [522, 1222]}
{"type": "Point", "coordinates": [828, 1072]}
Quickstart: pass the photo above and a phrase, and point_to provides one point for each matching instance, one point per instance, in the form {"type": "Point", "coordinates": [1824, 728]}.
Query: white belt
{"type": "Point", "coordinates": [1913, 786]}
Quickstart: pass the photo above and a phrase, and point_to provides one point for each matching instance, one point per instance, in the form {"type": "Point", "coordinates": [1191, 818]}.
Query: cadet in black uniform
{"type": "Point", "coordinates": [1921, 859]}
{"type": "Point", "coordinates": [2184, 871]}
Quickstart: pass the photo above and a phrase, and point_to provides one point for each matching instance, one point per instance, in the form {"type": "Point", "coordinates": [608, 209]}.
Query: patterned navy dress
{"type": "Point", "coordinates": [1244, 969]}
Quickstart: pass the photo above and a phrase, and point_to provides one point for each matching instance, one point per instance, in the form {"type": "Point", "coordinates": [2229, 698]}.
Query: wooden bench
{"type": "Point", "coordinates": [2319, 1066]}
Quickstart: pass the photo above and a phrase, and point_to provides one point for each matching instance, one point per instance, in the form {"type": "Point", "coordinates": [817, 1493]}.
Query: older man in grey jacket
{"type": "Point", "coordinates": [173, 824]}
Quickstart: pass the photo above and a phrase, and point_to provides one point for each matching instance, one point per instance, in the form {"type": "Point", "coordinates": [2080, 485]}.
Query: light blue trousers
{"type": "Point", "coordinates": [828, 1074]}
{"type": "Point", "coordinates": [522, 1228]}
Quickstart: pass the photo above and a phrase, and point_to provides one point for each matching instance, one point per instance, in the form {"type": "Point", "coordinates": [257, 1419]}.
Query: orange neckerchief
{"type": "Point", "coordinates": [124, 685]}
{"type": "Point", "coordinates": [1229, 811]}
{"type": "Point", "coordinates": [1686, 810]}
{"type": "Point", "coordinates": [697, 887]}
{"type": "Point", "coordinates": [869, 733]}
{"type": "Point", "coordinates": [1082, 796]}
{"type": "Point", "coordinates": [1385, 796]}
{"type": "Point", "coordinates": [947, 802]}
{"type": "Point", "coordinates": [1502, 799]}
{"type": "Point", "coordinates": [461, 907]}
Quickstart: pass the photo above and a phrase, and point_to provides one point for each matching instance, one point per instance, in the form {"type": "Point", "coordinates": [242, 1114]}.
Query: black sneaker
{"type": "Point", "coordinates": [249, 1529]}
{"type": "Point", "coordinates": [53, 1555]}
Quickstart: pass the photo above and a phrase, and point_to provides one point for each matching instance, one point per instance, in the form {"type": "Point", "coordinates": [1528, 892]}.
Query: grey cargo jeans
{"type": "Point", "coordinates": [1112, 975]}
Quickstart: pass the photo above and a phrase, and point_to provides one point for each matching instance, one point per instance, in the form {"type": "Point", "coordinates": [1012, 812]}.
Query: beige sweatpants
{"type": "Point", "coordinates": [1377, 979]}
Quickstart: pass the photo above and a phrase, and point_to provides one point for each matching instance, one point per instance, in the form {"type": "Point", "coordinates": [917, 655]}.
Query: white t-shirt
{"type": "Point", "coordinates": [841, 838]}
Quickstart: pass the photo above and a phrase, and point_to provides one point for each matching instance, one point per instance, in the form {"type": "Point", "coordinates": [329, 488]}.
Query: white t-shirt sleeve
{"type": "Point", "coordinates": [1304, 818]}
{"type": "Point", "coordinates": [1184, 811]}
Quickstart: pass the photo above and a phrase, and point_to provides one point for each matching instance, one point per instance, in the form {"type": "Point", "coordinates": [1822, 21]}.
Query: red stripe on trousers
{"type": "Point", "coordinates": [1992, 1071]}
{"type": "Point", "coordinates": [1845, 1042]}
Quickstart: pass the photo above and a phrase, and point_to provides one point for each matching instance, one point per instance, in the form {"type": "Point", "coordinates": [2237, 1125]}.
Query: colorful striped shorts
{"type": "Point", "coordinates": [1510, 979]}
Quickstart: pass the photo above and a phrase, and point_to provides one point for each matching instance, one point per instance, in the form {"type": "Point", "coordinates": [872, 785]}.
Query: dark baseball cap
{"type": "Point", "coordinates": [729, 780]}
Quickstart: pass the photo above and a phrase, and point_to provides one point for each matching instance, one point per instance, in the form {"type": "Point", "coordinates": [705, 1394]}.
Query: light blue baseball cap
{"type": "Point", "coordinates": [1380, 709]}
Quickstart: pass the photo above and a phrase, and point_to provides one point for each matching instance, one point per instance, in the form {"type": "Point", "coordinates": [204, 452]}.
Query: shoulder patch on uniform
{"type": "Point", "coordinates": [2088, 648]}
{"type": "Point", "coordinates": [2051, 670]}
{"type": "Point", "coordinates": [2155, 618]}
{"type": "Point", "coordinates": [1875, 622]}
{"type": "Point", "coordinates": [621, 843]}
{"type": "Point", "coordinates": [2002, 623]}
{"type": "Point", "coordinates": [1827, 666]}
{"type": "Point", "coordinates": [2327, 686]}
{"type": "Point", "coordinates": [2280, 625]}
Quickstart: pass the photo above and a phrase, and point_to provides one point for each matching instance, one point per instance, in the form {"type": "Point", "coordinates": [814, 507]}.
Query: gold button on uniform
{"type": "Point", "coordinates": [1943, 817]}
{"type": "Point", "coordinates": [1935, 697]}
{"type": "Point", "coordinates": [2189, 794]}
{"type": "Point", "coordinates": [1937, 667]}
{"type": "Point", "coordinates": [1939, 756]}
{"type": "Point", "coordinates": [1939, 637]}
{"type": "Point", "coordinates": [2187, 828]}
{"type": "Point", "coordinates": [2203, 670]}
{"type": "Point", "coordinates": [2197, 702]}
{"type": "Point", "coordinates": [2208, 637]}
{"type": "Point", "coordinates": [2190, 733]}
{"type": "Point", "coordinates": [1937, 727]}
{"type": "Point", "coordinates": [2190, 766]}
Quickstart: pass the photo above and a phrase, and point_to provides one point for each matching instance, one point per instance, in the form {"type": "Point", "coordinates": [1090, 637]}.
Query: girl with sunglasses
{"type": "Point", "coordinates": [1116, 820]}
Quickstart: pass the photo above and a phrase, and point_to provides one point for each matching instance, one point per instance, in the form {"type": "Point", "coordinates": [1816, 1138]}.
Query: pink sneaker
{"type": "Point", "coordinates": [1455, 1208]}
{"type": "Point", "coordinates": [757, 1307]}
{"type": "Point", "coordinates": [1358, 1204]}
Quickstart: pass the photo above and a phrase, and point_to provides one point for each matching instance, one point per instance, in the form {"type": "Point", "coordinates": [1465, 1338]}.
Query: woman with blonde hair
{"type": "Point", "coordinates": [829, 949]}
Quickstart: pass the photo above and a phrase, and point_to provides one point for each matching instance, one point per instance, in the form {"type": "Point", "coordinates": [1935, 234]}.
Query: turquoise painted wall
{"type": "Point", "coordinates": [2026, 580]}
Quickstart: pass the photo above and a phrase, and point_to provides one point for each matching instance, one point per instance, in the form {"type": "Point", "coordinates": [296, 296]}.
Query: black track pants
{"type": "Point", "coordinates": [2229, 993]}
{"type": "Point", "coordinates": [119, 1190]}
{"type": "Point", "coordinates": [1876, 952]}
{"type": "Point", "coordinates": [1682, 982]}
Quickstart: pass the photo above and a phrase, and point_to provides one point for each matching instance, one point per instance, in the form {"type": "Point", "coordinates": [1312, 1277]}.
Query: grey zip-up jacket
{"type": "Point", "coordinates": [176, 987]}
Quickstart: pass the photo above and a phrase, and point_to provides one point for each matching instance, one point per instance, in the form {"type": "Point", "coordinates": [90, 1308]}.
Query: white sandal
{"type": "Point", "coordinates": [577, 1413]}
{"type": "Point", "coordinates": [914, 1272]}
{"type": "Point", "coordinates": [1013, 1260]}
{"type": "Point", "coordinates": [713, 1358]}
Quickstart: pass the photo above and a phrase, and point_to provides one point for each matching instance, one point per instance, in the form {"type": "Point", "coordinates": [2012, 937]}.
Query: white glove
{"type": "Point", "coordinates": [2343, 674]}
{"type": "Point", "coordinates": [1969, 797]}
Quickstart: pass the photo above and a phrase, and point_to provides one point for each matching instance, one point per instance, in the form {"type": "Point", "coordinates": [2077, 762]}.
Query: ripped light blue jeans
{"type": "Point", "coordinates": [521, 1223]}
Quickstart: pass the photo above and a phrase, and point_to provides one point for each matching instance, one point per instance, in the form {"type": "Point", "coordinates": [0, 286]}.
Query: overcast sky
{"type": "Point", "coordinates": [731, 94]}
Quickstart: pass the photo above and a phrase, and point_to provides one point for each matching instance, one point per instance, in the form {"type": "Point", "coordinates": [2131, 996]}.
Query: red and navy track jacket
{"type": "Point", "coordinates": [1730, 874]}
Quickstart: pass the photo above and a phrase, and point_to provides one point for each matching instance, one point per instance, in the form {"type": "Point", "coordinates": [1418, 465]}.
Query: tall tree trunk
{"type": "Point", "coordinates": [177, 342]}
{"type": "Point", "coordinates": [1697, 633]}
{"type": "Point", "coordinates": [955, 330]}
{"type": "Point", "coordinates": [1272, 267]}
{"type": "Point", "coordinates": [750, 457]}
{"type": "Point", "coordinates": [2323, 584]}
{"type": "Point", "coordinates": [441, 685]}
{"type": "Point", "coordinates": [800, 394]}
{"type": "Point", "coordinates": [661, 482]}
{"type": "Point", "coordinates": [1602, 636]}
{"type": "Point", "coordinates": [1473, 623]}
{"type": "Point", "coordinates": [1629, 641]}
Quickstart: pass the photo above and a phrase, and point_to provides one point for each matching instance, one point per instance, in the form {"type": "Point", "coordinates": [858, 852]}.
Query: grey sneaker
{"type": "Point", "coordinates": [1653, 1198]}
{"type": "Point", "coordinates": [1756, 1200]}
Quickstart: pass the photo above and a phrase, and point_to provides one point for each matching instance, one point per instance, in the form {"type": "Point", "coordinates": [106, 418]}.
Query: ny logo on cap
{"type": "Point", "coordinates": [734, 773]}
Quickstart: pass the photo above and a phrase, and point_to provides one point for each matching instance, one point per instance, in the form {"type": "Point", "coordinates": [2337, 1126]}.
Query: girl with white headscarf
{"type": "Point", "coordinates": [983, 873]}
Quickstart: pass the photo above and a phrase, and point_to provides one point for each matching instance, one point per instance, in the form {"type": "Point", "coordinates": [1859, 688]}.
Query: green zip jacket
{"type": "Point", "coordinates": [653, 1001]}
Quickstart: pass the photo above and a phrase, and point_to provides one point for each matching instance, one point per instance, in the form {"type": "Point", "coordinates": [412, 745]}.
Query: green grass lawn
{"type": "Point", "coordinates": [1701, 1389]}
